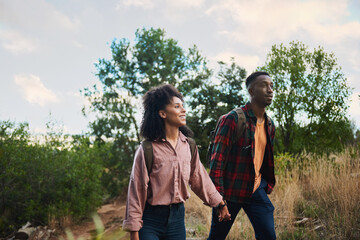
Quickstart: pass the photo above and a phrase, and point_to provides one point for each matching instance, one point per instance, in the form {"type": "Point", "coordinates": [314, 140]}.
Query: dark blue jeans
{"type": "Point", "coordinates": [163, 222]}
{"type": "Point", "coordinates": [260, 212]}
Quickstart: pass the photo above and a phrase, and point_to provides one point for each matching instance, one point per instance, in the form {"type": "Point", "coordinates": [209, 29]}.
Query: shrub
{"type": "Point", "coordinates": [320, 191]}
{"type": "Point", "coordinates": [46, 183]}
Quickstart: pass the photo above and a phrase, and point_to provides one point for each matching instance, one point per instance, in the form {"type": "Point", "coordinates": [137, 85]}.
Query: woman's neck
{"type": "Point", "coordinates": [172, 135]}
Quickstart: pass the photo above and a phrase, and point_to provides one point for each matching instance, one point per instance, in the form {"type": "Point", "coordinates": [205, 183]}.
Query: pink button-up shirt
{"type": "Point", "coordinates": [171, 173]}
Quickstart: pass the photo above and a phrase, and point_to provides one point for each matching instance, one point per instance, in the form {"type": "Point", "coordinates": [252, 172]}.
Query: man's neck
{"type": "Point", "coordinates": [259, 112]}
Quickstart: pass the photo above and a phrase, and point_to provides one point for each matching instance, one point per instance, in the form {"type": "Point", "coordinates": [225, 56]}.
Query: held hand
{"type": "Point", "coordinates": [224, 214]}
{"type": "Point", "coordinates": [134, 235]}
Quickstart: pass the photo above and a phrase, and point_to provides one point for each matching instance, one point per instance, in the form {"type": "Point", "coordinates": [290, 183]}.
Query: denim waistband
{"type": "Point", "coordinates": [173, 205]}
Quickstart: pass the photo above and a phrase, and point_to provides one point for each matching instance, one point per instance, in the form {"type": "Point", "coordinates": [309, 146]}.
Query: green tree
{"type": "Point", "coordinates": [153, 59]}
{"type": "Point", "coordinates": [311, 98]}
{"type": "Point", "coordinates": [133, 69]}
{"type": "Point", "coordinates": [215, 97]}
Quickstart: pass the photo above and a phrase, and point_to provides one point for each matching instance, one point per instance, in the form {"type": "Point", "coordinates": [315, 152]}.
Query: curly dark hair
{"type": "Point", "coordinates": [152, 125]}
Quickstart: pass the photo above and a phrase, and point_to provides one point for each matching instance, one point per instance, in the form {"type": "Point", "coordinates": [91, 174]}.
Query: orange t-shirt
{"type": "Point", "coordinates": [260, 143]}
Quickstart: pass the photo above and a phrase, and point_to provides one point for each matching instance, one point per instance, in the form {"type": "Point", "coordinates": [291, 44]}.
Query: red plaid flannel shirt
{"type": "Point", "coordinates": [232, 166]}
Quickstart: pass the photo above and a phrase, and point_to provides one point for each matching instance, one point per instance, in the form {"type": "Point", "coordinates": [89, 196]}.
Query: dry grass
{"type": "Point", "coordinates": [315, 198]}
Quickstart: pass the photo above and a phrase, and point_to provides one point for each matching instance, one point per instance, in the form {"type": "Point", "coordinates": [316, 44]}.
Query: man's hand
{"type": "Point", "coordinates": [223, 212]}
{"type": "Point", "coordinates": [134, 235]}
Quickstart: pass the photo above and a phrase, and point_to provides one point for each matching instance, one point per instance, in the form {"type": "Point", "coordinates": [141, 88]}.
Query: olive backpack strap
{"type": "Point", "coordinates": [270, 128]}
{"type": "Point", "coordinates": [148, 153]}
{"type": "Point", "coordinates": [241, 124]}
{"type": "Point", "coordinates": [192, 144]}
{"type": "Point", "coordinates": [270, 123]}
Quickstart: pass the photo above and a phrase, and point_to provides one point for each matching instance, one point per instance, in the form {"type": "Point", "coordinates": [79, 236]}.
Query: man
{"type": "Point", "coordinates": [243, 170]}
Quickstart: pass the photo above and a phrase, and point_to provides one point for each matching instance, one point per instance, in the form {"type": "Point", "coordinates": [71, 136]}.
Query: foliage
{"type": "Point", "coordinates": [315, 197]}
{"type": "Point", "coordinates": [99, 233]}
{"type": "Point", "coordinates": [124, 78]}
{"type": "Point", "coordinates": [310, 98]}
{"type": "Point", "coordinates": [284, 163]}
{"type": "Point", "coordinates": [213, 100]}
{"type": "Point", "coordinates": [132, 70]}
{"type": "Point", "coordinates": [42, 183]}
{"type": "Point", "coordinates": [330, 194]}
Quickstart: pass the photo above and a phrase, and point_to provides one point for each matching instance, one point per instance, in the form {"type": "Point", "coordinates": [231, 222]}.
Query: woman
{"type": "Point", "coordinates": [155, 201]}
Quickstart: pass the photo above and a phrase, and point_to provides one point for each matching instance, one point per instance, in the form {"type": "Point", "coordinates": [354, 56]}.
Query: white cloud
{"type": "Point", "coordinates": [149, 4]}
{"type": "Point", "coordinates": [353, 57]}
{"type": "Point", "coordinates": [186, 3]}
{"type": "Point", "coordinates": [36, 16]}
{"type": "Point", "coordinates": [336, 33]}
{"type": "Point", "coordinates": [137, 3]}
{"type": "Point", "coordinates": [249, 62]}
{"type": "Point", "coordinates": [354, 109]}
{"type": "Point", "coordinates": [259, 22]}
{"type": "Point", "coordinates": [353, 80]}
{"type": "Point", "coordinates": [62, 20]}
{"type": "Point", "coordinates": [17, 43]}
{"type": "Point", "coordinates": [34, 90]}
{"type": "Point", "coordinates": [80, 100]}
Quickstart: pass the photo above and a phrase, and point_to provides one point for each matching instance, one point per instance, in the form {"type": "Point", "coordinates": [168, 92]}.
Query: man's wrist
{"type": "Point", "coordinates": [222, 205]}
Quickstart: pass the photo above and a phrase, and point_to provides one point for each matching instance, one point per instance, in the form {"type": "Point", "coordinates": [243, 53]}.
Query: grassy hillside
{"type": "Point", "coordinates": [315, 198]}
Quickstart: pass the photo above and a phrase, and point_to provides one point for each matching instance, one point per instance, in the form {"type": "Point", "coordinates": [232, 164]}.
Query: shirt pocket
{"type": "Point", "coordinates": [245, 151]}
{"type": "Point", "coordinates": [163, 168]}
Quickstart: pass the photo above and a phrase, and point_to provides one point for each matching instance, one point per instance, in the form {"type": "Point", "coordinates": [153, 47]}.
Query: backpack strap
{"type": "Point", "coordinates": [241, 124]}
{"type": "Point", "coordinates": [270, 125]}
{"type": "Point", "coordinates": [192, 144]}
{"type": "Point", "coordinates": [148, 152]}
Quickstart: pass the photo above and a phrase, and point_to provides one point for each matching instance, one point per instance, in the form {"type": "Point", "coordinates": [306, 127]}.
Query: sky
{"type": "Point", "coordinates": [48, 48]}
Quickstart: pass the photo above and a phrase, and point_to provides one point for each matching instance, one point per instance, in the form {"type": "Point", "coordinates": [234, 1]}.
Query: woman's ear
{"type": "Point", "coordinates": [162, 114]}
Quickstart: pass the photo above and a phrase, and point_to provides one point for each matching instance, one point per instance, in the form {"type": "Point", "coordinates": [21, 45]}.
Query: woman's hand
{"type": "Point", "coordinates": [134, 235]}
{"type": "Point", "coordinates": [223, 212]}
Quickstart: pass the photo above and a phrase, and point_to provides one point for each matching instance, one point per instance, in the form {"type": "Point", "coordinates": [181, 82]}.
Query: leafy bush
{"type": "Point", "coordinates": [48, 182]}
{"type": "Point", "coordinates": [117, 161]}
{"type": "Point", "coordinates": [284, 163]}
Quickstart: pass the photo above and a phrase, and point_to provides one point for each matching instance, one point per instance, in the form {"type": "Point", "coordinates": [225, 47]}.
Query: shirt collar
{"type": "Point", "coordinates": [182, 137]}
{"type": "Point", "coordinates": [250, 112]}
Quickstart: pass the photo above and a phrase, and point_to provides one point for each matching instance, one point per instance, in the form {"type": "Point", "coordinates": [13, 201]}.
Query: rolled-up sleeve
{"type": "Point", "coordinates": [201, 183]}
{"type": "Point", "coordinates": [137, 193]}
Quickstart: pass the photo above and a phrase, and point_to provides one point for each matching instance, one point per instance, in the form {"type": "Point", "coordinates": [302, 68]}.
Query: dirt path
{"type": "Point", "coordinates": [112, 216]}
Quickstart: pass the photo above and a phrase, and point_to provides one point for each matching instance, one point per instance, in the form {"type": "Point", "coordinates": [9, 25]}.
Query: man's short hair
{"type": "Point", "coordinates": [253, 76]}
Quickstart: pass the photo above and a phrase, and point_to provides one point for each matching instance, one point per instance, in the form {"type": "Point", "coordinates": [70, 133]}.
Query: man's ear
{"type": "Point", "coordinates": [162, 114]}
{"type": "Point", "coordinates": [250, 91]}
